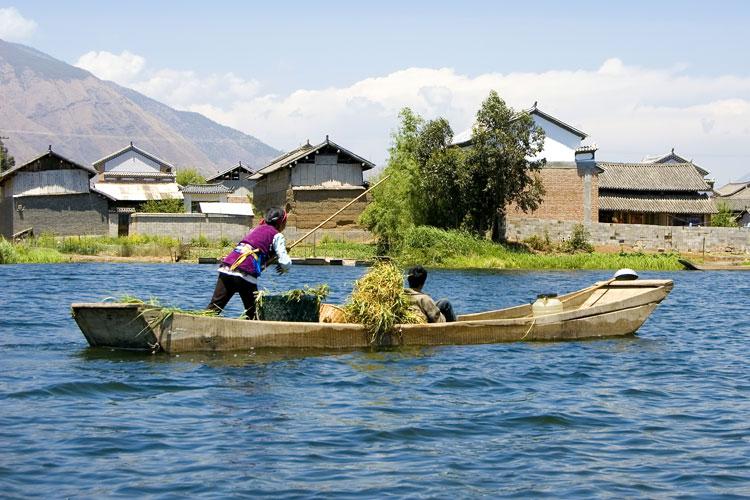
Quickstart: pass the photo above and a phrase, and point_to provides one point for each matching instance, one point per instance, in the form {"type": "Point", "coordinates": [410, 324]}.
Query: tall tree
{"type": "Point", "coordinates": [6, 160]}
{"type": "Point", "coordinates": [393, 207]}
{"type": "Point", "coordinates": [502, 165]}
{"type": "Point", "coordinates": [441, 174]}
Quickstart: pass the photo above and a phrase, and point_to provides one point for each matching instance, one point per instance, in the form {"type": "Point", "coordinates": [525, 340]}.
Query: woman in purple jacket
{"type": "Point", "coordinates": [239, 271]}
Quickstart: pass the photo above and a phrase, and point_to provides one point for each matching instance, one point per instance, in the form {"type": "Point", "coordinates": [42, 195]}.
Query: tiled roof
{"type": "Point", "coordinates": [11, 172]}
{"type": "Point", "coordinates": [651, 177]}
{"type": "Point", "coordinates": [302, 151]}
{"type": "Point", "coordinates": [734, 204]}
{"type": "Point", "coordinates": [226, 171]}
{"type": "Point", "coordinates": [137, 150]}
{"type": "Point", "coordinates": [671, 157]}
{"type": "Point", "coordinates": [536, 111]}
{"type": "Point", "coordinates": [673, 204]}
{"type": "Point", "coordinates": [587, 149]}
{"type": "Point", "coordinates": [732, 188]}
{"type": "Point", "coordinates": [127, 191]}
{"type": "Point", "coordinates": [138, 175]}
{"type": "Point", "coordinates": [463, 139]}
{"type": "Point", "coordinates": [207, 189]}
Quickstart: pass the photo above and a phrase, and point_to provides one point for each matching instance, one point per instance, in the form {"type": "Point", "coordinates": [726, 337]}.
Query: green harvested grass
{"type": "Point", "coordinates": [379, 303]}
{"type": "Point", "coordinates": [155, 303]}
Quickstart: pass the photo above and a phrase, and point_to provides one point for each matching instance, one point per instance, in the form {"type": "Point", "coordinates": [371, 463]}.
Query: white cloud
{"type": "Point", "coordinates": [13, 26]}
{"type": "Point", "coordinates": [178, 88]}
{"type": "Point", "coordinates": [123, 68]}
{"type": "Point", "coordinates": [629, 111]}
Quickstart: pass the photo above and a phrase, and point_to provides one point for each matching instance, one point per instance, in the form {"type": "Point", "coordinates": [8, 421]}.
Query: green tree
{"type": "Point", "coordinates": [725, 217]}
{"type": "Point", "coordinates": [502, 168]}
{"type": "Point", "coordinates": [190, 176]}
{"type": "Point", "coordinates": [442, 172]}
{"type": "Point", "coordinates": [6, 160]}
{"type": "Point", "coordinates": [392, 209]}
{"type": "Point", "coordinates": [169, 206]}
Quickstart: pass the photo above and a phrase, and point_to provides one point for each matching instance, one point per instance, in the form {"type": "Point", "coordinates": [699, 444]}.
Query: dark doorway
{"type": "Point", "coordinates": [123, 224]}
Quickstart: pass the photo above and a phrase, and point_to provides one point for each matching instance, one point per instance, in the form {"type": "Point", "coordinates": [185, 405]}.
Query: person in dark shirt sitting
{"type": "Point", "coordinates": [421, 303]}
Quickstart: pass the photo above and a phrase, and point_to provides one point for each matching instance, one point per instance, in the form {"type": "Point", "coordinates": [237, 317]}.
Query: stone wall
{"type": "Point", "coordinates": [351, 234]}
{"type": "Point", "coordinates": [61, 215]}
{"type": "Point", "coordinates": [185, 227]}
{"type": "Point", "coordinates": [640, 236]}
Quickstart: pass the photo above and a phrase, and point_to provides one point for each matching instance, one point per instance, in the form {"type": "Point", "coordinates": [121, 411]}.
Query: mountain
{"type": "Point", "coordinates": [45, 101]}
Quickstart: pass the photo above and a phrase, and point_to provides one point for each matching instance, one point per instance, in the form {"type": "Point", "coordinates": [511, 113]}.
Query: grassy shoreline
{"type": "Point", "coordinates": [427, 246]}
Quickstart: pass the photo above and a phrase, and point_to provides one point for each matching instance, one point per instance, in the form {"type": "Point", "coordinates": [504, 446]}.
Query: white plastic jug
{"type": "Point", "coordinates": [546, 303]}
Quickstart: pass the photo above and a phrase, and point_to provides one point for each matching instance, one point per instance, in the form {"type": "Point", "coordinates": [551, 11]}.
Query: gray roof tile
{"type": "Point", "coordinates": [651, 177]}
{"type": "Point", "coordinates": [207, 189]}
{"type": "Point", "coordinates": [673, 204]}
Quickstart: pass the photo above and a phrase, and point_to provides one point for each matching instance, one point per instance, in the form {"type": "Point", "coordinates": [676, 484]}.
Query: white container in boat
{"type": "Point", "coordinates": [546, 303]}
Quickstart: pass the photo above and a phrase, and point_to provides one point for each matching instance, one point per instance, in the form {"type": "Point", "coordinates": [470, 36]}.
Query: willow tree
{"type": "Point", "coordinates": [502, 166]}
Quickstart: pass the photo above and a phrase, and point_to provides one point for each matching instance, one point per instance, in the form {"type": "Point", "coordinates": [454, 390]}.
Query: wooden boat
{"type": "Point", "coordinates": [606, 309]}
{"type": "Point", "coordinates": [734, 266]}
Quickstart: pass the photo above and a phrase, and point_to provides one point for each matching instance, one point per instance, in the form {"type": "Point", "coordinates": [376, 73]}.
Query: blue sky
{"type": "Point", "coordinates": [640, 77]}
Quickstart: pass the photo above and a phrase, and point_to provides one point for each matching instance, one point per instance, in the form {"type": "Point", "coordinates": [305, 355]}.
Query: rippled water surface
{"type": "Point", "coordinates": [662, 414]}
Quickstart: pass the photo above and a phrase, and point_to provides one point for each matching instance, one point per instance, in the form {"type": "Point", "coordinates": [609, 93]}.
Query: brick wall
{"type": "Point", "coordinates": [185, 227]}
{"type": "Point", "coordinates": [647, 237]}
{"type": "Point", "coordinates": [61, 215]}
{"type": "Point", "coordinates": [565, 196]}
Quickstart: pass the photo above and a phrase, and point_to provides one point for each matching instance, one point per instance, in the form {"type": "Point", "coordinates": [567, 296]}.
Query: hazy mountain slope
{"type": "Point", "coordinates": [46, 101]}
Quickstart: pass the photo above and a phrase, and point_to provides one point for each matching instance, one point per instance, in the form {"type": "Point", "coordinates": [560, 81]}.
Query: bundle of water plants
{"type": "Point", "coordinates": [302, 304]}
{"type": "Point", "coordinates": [379, 303]}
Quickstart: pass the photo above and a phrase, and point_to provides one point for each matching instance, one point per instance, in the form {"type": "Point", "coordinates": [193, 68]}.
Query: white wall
{"type": "Point", "coordinates": [559, 144]}
{"type": "Point", "coordinates": [131, 161]}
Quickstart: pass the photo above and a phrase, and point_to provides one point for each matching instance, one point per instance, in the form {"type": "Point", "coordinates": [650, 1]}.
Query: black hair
{"type": "Point", "coordinates": [274, 216]}
{"type": "Point", "coordinates": [416, 277]}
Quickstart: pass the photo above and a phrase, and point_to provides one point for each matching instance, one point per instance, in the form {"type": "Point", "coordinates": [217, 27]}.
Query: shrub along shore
{"type": "Point", "coordinates": [428, 246]}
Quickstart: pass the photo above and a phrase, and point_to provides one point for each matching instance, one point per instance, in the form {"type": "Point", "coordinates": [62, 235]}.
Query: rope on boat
{"type": "Point", "coordinates": [533, 320]}
{"type": "Point", "coordinates": [155, 347]}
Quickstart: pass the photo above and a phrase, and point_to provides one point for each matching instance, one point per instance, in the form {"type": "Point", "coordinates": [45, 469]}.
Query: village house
{"type": "Point", "coordinates": [195, 194]}
{"type": "Point", "coordinates": [311, 183]}
{"type": "Point", "coordinates": [50, 194]}
{"type": "Point", "coordinates": [130, 177]}
{"type": "Point", "coordinates": [736, 196]}
{"type": "Point", "coordinates": [570, 175]}
{"type": "Point", "coordinates": [236, 178]}
{"type": "Point", "coordinates": [666, 190]}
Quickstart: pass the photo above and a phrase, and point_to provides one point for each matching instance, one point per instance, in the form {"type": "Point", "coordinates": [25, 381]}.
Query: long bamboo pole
{"type": "Point", "coordinates": [334, 215]}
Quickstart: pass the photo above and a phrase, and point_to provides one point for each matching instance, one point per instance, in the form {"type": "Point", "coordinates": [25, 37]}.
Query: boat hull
{"type": "Point", "coordinates": [604, 310]}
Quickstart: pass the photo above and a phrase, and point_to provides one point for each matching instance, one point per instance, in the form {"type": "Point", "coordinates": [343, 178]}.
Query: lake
{"type": "Point", "coordinates": [661, 414]}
